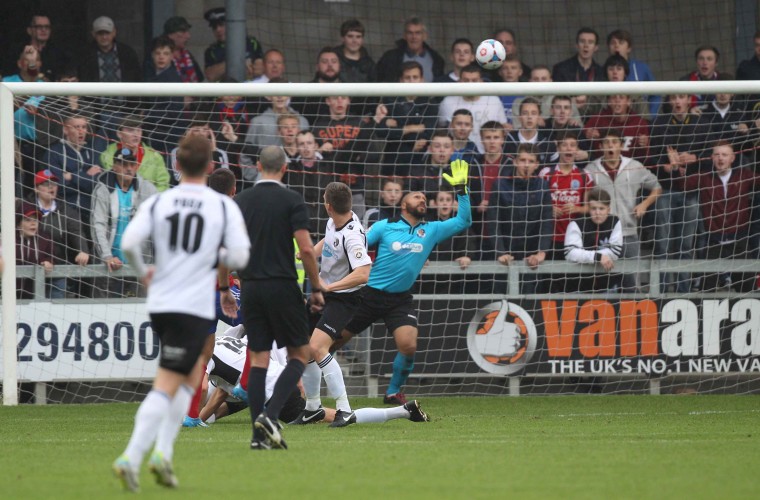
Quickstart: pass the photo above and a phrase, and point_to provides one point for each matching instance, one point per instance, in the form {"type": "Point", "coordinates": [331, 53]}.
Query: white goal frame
{"type": "Point", "coordinates": [9, 90]}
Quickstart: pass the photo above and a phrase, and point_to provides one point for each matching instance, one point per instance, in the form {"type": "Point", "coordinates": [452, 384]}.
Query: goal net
{"type": "Point", "coordinates": [613, 245]}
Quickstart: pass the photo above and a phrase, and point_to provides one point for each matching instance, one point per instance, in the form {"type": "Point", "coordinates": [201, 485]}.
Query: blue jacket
{"type": "Point", "coordinates": [640, 72]}
{"type": "Point", "coordinates": [402, 249]}
{"type": "Point", "coordinates": [62, 158]}
{"type": "Point", "coordinates": [521, 211]}
{"type": "Point", "coordinates": [24, 122]}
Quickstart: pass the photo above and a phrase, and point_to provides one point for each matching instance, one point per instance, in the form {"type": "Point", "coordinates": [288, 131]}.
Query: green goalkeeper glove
{"type": "Point", "coordinates": [458, 178]}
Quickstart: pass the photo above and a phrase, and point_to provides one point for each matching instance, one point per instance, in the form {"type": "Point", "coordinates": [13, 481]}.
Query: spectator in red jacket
{"type": "Point", "coordinates": [725, 195]}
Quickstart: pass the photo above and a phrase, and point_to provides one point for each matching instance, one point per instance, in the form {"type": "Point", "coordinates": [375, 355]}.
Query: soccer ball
{"type": "Point", "coordinates": [490, 54]}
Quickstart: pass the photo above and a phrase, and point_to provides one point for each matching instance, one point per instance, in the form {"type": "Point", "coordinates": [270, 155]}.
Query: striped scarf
{"type": "Point", "coordinates": [186, 67]}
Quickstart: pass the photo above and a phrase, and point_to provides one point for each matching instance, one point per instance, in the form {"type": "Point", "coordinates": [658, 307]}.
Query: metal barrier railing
{"type": "Point", "coordinates": [652, 268]}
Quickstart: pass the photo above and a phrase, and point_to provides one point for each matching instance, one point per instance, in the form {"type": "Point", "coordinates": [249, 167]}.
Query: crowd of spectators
{"type": "Point", "coordinates": [583, 178]}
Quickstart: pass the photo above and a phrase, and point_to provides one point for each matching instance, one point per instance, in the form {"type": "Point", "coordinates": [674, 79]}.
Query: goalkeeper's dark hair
{"type": "Point", "coordinates": [222, 181]}
{"type": "Point", "coordinates": [599, 195]}
{"type": "Point", "coordinates": [338, 196]}
{"type": "Point", "coordinates": [194, 155]}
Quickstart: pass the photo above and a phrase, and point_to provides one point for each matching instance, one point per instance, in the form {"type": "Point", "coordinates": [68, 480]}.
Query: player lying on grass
{"type": "Point", "coordinates": [223, 374]}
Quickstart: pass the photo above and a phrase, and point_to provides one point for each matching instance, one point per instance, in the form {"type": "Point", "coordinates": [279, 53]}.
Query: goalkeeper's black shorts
{"type": "Point", "coordinates": [395, 309]}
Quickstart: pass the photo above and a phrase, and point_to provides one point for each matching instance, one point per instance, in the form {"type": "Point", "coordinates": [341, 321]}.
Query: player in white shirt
{"type": "Point", "coordinates": [224, 371]}
{"type": "Point", "coordinates": [193, 229]}
{"type": "Point", "coordinates": [344, 270]}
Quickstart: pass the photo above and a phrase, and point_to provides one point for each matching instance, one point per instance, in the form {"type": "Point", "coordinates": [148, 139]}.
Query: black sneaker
{"type": "Point", "coordinates": [309, 417]}
{"type": "Point", "coordinates": [271, 430]}
{"type": "Point", "coordinates": [415, 412]}
{"type": "Point", "coordinates": [397, 399]}
{"type": "Point", "coordinates": [343, 419]}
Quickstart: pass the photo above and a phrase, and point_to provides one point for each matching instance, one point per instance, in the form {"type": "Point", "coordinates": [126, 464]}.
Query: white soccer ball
{"type": "Point", "coordinates": [490, 54]}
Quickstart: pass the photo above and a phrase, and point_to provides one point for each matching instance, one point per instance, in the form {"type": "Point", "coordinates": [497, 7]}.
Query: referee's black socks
{"type": "Point", "coordinates": [257, 382]}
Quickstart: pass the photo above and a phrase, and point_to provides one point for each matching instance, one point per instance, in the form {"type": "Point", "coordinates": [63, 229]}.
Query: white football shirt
{"type": "Point", "coordinates": [344, 250]}
{"type": "Point", "coordinates": [188, 225]}
{"type": "Point", "coordinates": [226, 365]}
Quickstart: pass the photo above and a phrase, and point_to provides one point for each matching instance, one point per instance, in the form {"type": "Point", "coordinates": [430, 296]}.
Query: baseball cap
{"type": "Point", "coordinates": [125, 155]}
{"type": "Point", "coordinates": [103, 23]}
{"type": "Point", "coordinates": [215, 16]}
{"type": "Point", "coordinates": [175, 24]}
{"type": "Point", "coordinates": [29, 210]}
{"type": "Point", "coordinates": [44, 176]}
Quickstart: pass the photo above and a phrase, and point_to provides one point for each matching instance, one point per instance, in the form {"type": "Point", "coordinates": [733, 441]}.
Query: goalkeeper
{"type": "Point", "coordinates": [403, 246]}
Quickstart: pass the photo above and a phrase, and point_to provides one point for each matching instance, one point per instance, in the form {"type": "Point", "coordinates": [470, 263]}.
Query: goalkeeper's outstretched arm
{"type": "Point", "coordinates": [458, 180]}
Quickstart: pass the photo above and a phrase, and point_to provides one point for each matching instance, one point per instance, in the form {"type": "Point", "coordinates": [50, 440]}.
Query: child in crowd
{"type": "Point", "coordinates": [32, 248]}
{"type": "Point", "coordinates": [595, 238]}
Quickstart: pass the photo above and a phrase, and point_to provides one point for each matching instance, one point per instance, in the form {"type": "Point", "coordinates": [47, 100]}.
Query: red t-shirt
{"type": "Point", "coordinates": [566, 188]}
{"type": "Point", "coordinates": [490, 175]}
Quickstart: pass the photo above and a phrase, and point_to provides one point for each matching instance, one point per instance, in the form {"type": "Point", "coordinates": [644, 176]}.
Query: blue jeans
{"type": "Point", "coordinates": [677, 216]}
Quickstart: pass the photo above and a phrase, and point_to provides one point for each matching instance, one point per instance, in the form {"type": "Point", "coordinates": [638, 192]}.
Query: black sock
{"type": "Point", "coordinates": [257, 380]}
{"type": "Point", "coordinates": [286, 382]}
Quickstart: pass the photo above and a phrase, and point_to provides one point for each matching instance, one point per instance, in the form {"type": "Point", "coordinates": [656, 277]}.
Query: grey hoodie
{"type": "Point", "coordinates": [631, 178]}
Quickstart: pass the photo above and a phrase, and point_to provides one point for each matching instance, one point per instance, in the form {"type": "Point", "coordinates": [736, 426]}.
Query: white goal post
{"type": "Point", "coordinates": [8, 91]}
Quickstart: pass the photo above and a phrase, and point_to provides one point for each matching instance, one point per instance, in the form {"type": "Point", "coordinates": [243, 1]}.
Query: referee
{"type": "Point", "coordinates": [272, 302]}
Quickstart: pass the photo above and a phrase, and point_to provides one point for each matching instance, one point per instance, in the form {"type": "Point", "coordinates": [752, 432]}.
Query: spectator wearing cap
{"type": "Point", "coordinates": [151, 164]}
{"type": "Point", "coordinates": [74, 162]}
{"type": "Point", "coordinates": [106, 59]}
{"type": "Point", "coordinates": [215, 55]}
{"type": "Point", "coordinates": [62, 223]}
{"type": "Point", "coordinates": [32, 247]}
{"type": "Point", "coordinates": [116, 197]}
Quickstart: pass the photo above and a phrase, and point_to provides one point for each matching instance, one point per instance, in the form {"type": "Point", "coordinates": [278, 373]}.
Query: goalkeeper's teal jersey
{"type": "Point", "coordinates": [403, 249]}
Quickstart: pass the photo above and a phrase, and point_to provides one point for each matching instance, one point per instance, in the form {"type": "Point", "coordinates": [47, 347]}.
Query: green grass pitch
{"type": "Point", "coordinates": [529, 447]}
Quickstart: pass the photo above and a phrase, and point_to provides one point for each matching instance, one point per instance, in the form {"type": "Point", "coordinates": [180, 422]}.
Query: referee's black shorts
{"type": "Point", "coordinates": [395, 309]}
{"type": "Point", "coordinates": [273, 310]}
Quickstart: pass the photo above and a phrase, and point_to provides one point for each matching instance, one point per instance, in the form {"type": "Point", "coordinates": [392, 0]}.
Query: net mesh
{"type": "Point", "coordinates": [541, 295]}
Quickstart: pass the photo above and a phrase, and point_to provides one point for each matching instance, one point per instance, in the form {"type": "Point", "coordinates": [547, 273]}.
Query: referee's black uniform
{"type": "Point", "coordinates": [271, 300]}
